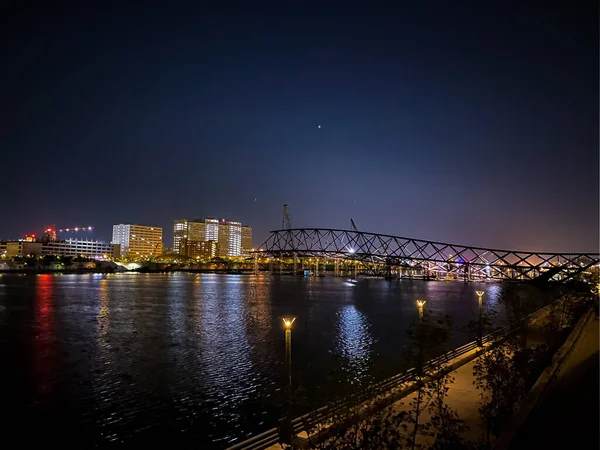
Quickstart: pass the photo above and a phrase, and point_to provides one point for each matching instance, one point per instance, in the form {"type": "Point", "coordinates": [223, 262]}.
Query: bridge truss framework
{"type": "Point", "coordinates": [381, 254]}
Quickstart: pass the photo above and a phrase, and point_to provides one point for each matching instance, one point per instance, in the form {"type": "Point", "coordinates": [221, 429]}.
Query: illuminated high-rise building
{"type": "Point", "coordinates": [197, 231]}
{"type": "Point", "coordinates": [138, 241]}
{"type": "Point", "coordinates": [180, 233]}
{"type": "Point", "coordinates": [212, 229]}
{"type": "Point", "coordinates": [246, 239]}
{"type": "Point", "coordinates": [230, 238]}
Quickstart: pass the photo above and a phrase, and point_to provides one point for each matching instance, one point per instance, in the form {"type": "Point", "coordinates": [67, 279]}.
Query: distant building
{"type": "Point", "coordinates": [202, 249]}
{"type": "Point", "coordinates": [212, 229]}
{"type": "Point", "coordinates": [138, 241]}
{"type": "Point", "coordinates": [230, 238]}
{"type": "Point", "coordinates": [22, 248]}
{"type": "Point", "coordinates": [88, 249]}
{"type": "Point", "coordinates": [180, 232]}
{"type": "Point", "coordinates": [246, 239]}
{"type": "Point", "coordinates": [197, 231]}
{"type": "Point", "coordinates": [186, 231]}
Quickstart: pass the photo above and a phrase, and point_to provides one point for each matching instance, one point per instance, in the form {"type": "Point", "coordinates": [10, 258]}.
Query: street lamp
{"type": "Point", "coordinates": [420, 304]}
{"type": "Point", "coordinates": [480, 298]}
{"type": "Point", "coordinates": [286, 430]}
{"type": "Point", "coordinates": [288, 321]}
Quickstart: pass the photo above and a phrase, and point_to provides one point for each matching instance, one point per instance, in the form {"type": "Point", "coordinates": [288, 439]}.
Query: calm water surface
{"type": "Point", "coordinates": [195, 360]}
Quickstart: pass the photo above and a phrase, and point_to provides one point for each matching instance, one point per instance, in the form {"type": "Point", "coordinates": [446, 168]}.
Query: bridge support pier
{"type": "Point", "coordinates": [388, 269]}
{"type": "Point", "coordinates": [336, 268]}
{"type": "Point", "coordinates": [295, 263]}
{"type": "Point", "coordinates": [316, 267]}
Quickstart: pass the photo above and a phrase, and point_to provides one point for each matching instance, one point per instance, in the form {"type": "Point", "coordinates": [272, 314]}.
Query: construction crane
{"type": "Point", "coordinates": [50, 231]}
{"type": "Point", "coordinates": [359, 237]}
{"type": "Point", "coordinates": [361, 245]}
{"type": "Point", "coordinates": [286, 223]}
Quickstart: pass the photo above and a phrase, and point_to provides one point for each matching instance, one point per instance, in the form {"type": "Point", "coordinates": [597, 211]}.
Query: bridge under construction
{"type": "Point", "coordinates": [353, 252]}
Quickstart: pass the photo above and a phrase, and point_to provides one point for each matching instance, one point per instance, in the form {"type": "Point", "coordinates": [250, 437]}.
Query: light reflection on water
{"type": "Point", "coordinates": [197, 359]}
{"type": "Point", "coordinates": [354, 341]}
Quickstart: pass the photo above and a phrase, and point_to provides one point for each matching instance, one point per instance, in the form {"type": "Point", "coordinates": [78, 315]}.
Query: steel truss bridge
{"type": "Point", "coordinates": [382, 254]}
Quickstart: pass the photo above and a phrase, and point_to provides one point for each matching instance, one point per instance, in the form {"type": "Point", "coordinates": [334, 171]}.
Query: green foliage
{"type": "Point", "coordinates": [482, 325]}
{"type": "Point", "coordinates": [506, 372]}
{"type": "Point", "coordinates": [382, 429]}
{"type": "Point", "coordinates": [427, 339]}
{"type": "Point", "coordinates": [66, 260]}
{"type": "Point", "coordinates": [501, 388]}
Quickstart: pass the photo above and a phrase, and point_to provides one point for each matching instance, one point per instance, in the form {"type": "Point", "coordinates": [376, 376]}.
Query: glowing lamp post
{"type": "Point", "coordinates": [286, 430]}
{"type": "Point", "coordinates": [287, 323]}
{"type": "Point", "coordinates": [480, 298]}
{"type": "Point", "coordinates": [420, 304]}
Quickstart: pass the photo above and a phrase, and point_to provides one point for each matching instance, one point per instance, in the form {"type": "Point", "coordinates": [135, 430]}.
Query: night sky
{"type": "Point", "coordinates": [475, 125]}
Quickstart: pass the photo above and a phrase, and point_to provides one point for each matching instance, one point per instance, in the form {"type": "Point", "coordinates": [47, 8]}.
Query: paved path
{"type": "Point", "coordinates": [464, 398]}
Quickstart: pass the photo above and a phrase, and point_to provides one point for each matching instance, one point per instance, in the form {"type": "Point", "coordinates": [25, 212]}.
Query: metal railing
{"type": "Point", "coordinates": [328, 413]}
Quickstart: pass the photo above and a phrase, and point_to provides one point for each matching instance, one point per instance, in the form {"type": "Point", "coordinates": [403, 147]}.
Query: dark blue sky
{"type": "Point", "coordinates": [475, 125]}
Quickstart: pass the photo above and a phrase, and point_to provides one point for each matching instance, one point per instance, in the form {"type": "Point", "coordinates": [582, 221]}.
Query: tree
{"type": "Point", "coordinates": [506, 371]}
{"type": "Point", "coordinates": [501, 388]}
{"type": "Point", "coordinates": [446, 427]}
{"type": "Point", "coordinates": [361, 425]}
{"type": "Point", "coordinates": [430, 339]}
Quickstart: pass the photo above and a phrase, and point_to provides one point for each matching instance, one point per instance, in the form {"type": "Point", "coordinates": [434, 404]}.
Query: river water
{"type": "Point", "coordinates": [196, 360]}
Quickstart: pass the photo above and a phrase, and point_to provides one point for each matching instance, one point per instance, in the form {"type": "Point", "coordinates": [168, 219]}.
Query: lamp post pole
{"type": "Point", "coordinates": [420, 304]}
{"type": "Point", "coordinates": [480, 334]}
{"type": "Point", "coordinates": [287, 323]}
{"type": "Point", "coordinates": [419, 378]}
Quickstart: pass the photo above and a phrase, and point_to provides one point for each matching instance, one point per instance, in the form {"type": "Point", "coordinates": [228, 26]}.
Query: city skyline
{"type": "Point", "coordinates": [475, 126]}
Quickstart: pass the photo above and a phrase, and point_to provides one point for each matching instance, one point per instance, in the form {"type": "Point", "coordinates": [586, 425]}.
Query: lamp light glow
{"type": "Point", "coordinates": [288, 321]}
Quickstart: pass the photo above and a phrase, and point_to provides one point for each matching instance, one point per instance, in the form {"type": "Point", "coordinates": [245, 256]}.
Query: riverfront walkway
{"type": "Point", "coordinates": [463, 396]}
{"type": "Point", "coordinates": [570, 410]}
{"type": "Point", "coordinates": [568, 414]}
